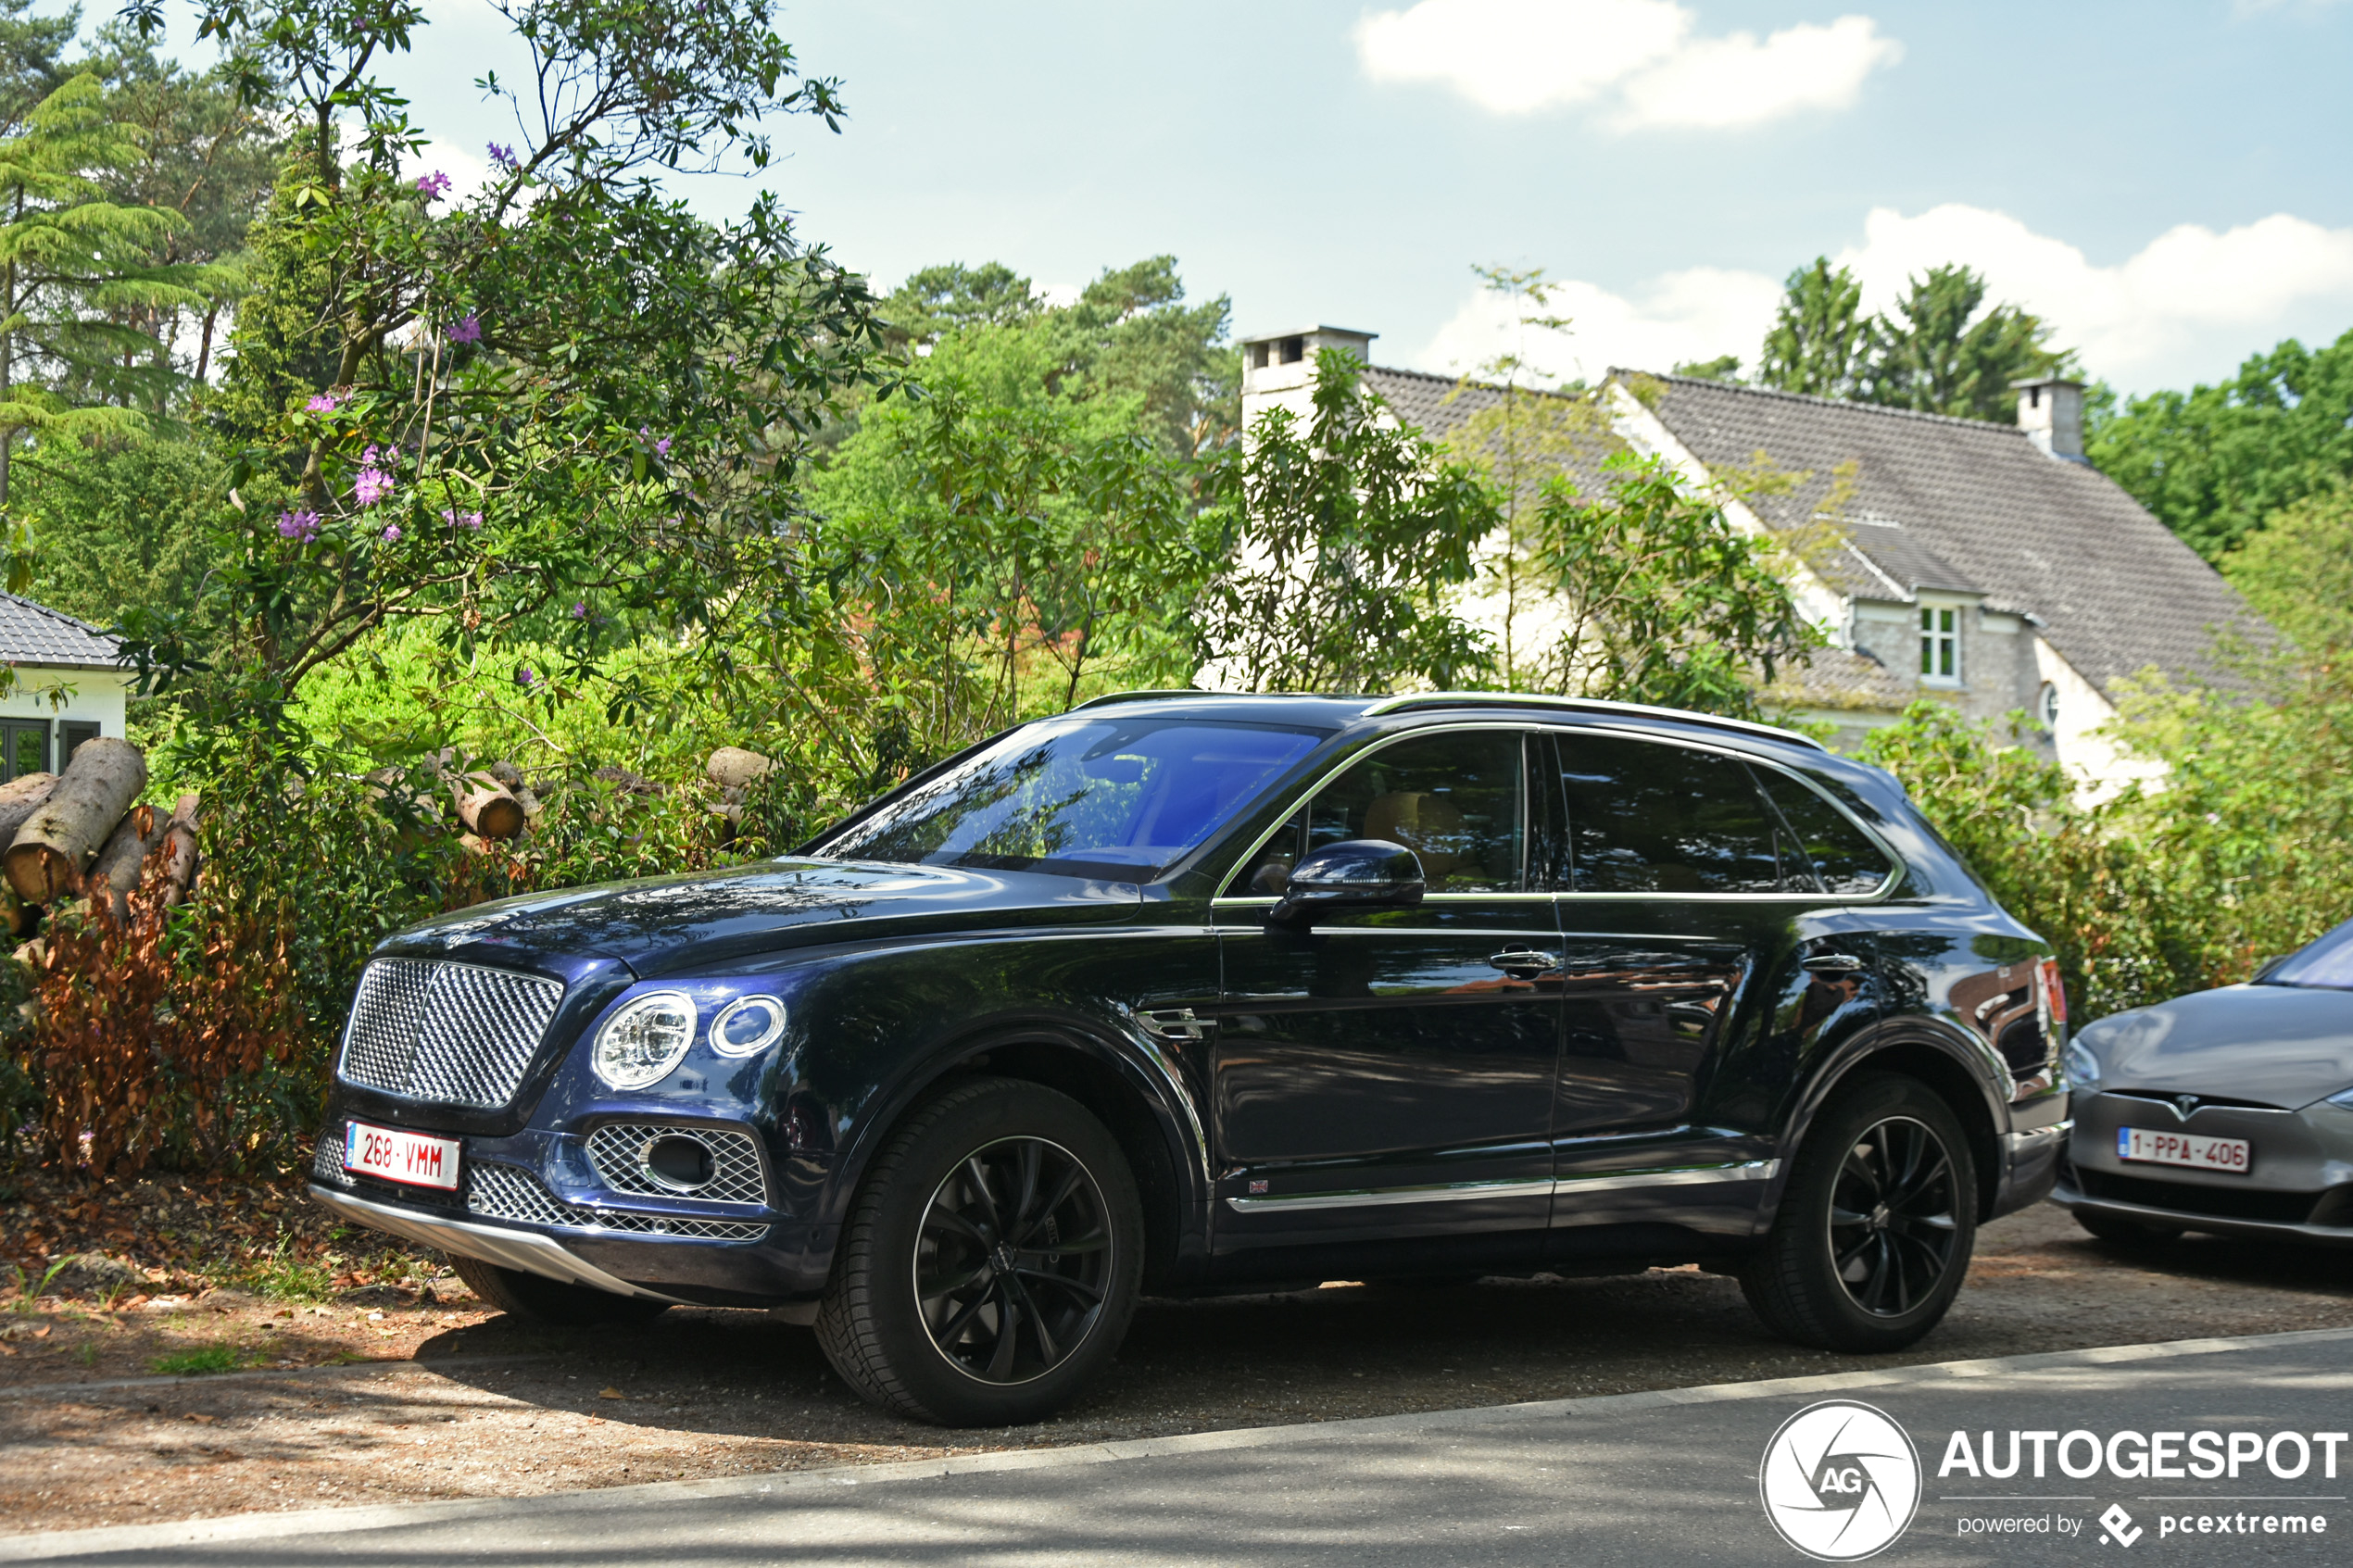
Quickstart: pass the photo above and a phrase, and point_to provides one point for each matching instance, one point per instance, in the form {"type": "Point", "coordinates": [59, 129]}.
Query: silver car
{"type": "Point", "coordinates": [2228, 1111]}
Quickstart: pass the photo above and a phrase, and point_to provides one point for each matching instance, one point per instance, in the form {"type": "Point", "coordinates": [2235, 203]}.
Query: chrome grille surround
{"type": "Point", "coordinates": [327, 1164]}
{"type": "Point", "coordinates": [450, 1034]}
{"type": "Point", "coordinates": [616, 1150]}
{"type": "Point", "coordinates": [505, 1192]}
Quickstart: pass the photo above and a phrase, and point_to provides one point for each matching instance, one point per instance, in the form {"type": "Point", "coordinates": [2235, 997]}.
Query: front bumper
{"type": "Point", "coordinates": [526, 1251]}
{"type": "Point", "coordinates": [2298, 1188]}
{"type": "Point", "coordinates": [2030, 1163]}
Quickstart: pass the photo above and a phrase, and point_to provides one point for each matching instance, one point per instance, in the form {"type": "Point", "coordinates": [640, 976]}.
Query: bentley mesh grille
{"type": "Point", "coordinates": [327, 1164]}
{"type": "Point", "coordinates": [449, 1033]}
{"type": "Point", "coordinates": [502, 1192]}
{"type": "Point", "coordinates": [613, 1150]}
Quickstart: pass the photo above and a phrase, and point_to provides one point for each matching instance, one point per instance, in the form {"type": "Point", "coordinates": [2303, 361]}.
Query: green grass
{"type": "Point", "coordinates": [279, 1277]}
{"type": "Point", "coordinates": [205, 1359]}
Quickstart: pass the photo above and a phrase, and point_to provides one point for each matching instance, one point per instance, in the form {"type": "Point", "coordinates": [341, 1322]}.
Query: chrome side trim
{"type": "Point", "coordinates": [1456, 1192]}
{"type": "Point", "coordinates": [1447, 1192]}
{"type": "Point", "coordinates": [1678, 1176]}
{"type": "Point", "coordinates": [526, 1251]}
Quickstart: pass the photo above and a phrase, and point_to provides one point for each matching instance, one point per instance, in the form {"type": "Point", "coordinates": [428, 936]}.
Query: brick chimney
{"type": "Point", "coordinates": [1278, 368]}
{"type": "Point", "coordinates": [2050, 412]}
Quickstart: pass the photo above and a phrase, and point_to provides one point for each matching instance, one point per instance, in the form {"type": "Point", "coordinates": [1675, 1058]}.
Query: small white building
{"type": "Point", "coordinates": [1984, 565]}
{"type": "Point", "coordinates": [66, 684]}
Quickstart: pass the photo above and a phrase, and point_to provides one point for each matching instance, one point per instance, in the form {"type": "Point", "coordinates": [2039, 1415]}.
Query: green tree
{"type": "Point", "coordinates": [1940, 353]}
{"type": "Point", "coordinates": [1656, 598]}
{"type": "Point", "coordinates": [947, 298]}
{"type": "Point", "coordinates": [1345, 541]}
{"type": "Point", "coordinates": [2215, 461]}
{"type": "Point", "coordinates": [73, 261]}
{"type": "Point", "coordinates": [1820, 342]}
{"type": "Point", "coordinates": [212, 158]}
{"type": "Point", "coordinates": [122, 525]}
{"type": "Point", "coordinates": [1518, 443]}
{"type": "Point", "coordinates": [2298, 571]}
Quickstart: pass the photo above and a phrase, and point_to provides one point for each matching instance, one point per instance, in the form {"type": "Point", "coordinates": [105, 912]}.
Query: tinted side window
{"type": "Point", "coordinates": [1841, 853]}
{"type": "Point", "coordinates": [1451, 798]}
{"type": "Point", "coordinates": [1644, 817]}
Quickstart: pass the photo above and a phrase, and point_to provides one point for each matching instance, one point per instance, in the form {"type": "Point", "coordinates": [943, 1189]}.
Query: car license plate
{"type": "Point", "coordinates": [395, 1156]}
{"type": "Point", "coordinates": [2233, 1155]}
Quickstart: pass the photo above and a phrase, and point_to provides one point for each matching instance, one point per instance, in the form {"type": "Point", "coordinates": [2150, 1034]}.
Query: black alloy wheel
{"type": "Point", "coordinates": [1873, 1234]}
{"type": "Point", "coordinates": [1894, 1217]}
{"type": "Point", "coordinates": [1013, 1259]}
{"type": "Point", "coordinates": [989, 1261]}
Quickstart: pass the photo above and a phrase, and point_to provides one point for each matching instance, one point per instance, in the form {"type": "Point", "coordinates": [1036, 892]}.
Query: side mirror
{"type": "Point", "coordinates": [1358, 873]}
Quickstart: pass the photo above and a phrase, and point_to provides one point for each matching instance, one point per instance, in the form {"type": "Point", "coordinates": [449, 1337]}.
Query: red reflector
{"type": "Point", "coordinates": [2054, 990]}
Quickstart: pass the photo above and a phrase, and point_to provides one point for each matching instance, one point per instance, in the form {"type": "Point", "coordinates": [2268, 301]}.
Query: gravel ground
{"type": "Point", "coordinates": [392, 1395]}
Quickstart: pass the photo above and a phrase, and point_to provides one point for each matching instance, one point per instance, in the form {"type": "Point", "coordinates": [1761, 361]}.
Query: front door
{"type": "Point", "coordinates": [1390, 1073]}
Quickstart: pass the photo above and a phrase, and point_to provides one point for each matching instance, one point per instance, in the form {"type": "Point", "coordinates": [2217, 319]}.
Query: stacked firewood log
{"type": "Point", "coordinates": [83, 834]}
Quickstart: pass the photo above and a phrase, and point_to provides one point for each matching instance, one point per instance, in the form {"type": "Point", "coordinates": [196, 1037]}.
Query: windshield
{"type": "Point", "coordinates": [1121, 798]}
{"type": "Point", "coordinates": [2327, 964]}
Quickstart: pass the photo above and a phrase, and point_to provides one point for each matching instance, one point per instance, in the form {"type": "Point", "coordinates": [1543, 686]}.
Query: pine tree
{"type": "Point", "coordinates": [69, 259]}
{"type": "Point", "coordinates": [1821, 341]}
{"type": "Point", "coordinates": [1936, 354]}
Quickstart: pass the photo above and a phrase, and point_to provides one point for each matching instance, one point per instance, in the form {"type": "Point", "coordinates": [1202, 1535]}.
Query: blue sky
{"type": "Point", "coordinates": [2167, 182]}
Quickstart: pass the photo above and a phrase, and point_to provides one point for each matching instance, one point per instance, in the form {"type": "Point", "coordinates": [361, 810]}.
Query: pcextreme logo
{"type": "Point", "coordinates": [1840, 1481]}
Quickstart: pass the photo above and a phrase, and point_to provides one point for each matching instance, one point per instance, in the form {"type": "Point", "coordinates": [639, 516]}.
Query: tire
{"type": "Point", "coordinates": [530, 1298]}
{"type": "Point", "coordinates": [1837, 1277]}
{"type": "Point", "coordinates": [934, 1311]}
{"type": "Point", "coordinates": [2118, 1231]}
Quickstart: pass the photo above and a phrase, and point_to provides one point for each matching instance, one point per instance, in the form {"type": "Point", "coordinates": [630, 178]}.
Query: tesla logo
{"type": "Point", "coordinates": [2185, 1106]}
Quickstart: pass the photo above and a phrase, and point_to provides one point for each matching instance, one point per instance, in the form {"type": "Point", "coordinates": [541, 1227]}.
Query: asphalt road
{"type": "Point", "coordinates": [1655, 1479]}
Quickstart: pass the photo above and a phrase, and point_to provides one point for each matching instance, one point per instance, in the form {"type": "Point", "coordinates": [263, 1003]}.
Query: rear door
{"type": "Point", "coordinates": [1685, 899]}
{"type": "Point", "coordinates": [1391, 1073]}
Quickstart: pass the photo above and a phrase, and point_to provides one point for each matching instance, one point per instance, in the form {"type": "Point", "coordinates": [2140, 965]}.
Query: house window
{"type": "Point", "coordinates": [1257, 356]}
{"type": "Point", "coordinates": [70, 734]}
{"type": "Point", "coordinates": [1294, 350]}
{"type": "Point", "coordinates": [1939, 643]}
{"type": "Point", "coordinates": [24, 747]}
{"type": "Point", "coordinates": [2049, 705]}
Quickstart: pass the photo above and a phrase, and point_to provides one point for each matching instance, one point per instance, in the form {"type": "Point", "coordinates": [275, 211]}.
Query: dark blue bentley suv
{"type": "Point", "coordinates": [1183, 993]}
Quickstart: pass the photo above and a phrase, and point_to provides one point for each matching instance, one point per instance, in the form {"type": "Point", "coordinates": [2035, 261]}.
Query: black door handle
{"type": "Point", "coordinates": [1832, 963]}
{"type": "Point", "coordinates": [1520, 960]}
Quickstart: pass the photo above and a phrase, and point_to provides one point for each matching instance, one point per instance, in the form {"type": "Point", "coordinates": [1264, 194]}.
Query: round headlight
{"type": "Point", "coordinates": [645, 1039]}
{"type": "Point", "coordinates": [746, 1024]}
{"type": "Point", "coordinates": [2082, 1066]}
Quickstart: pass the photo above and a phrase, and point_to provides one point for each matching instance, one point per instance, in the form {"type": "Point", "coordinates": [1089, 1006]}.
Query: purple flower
{"type": "Point", "coordinates": [503, 156]}
{"type": "Point", "coordinates": [370, 456]}
{"type": "Point", "coordinates": [322, 403]}
{"type": "Point", "coordinates": [466, 329]}
{"type": "Point", "coordinates": [392, 534]}
{"type": "Point", "coordinates": [300, 527]}
{"type": "Point", "coordinates": [523, 677]}
{"type": "Point", "coordinates": [662, 447]}
{"type": "Point", "coordinates": [373, 486]}
{"type": "Point", "coordinates": [457, 519]}
{"type": "Point", "coordinates": [432, 186]}
{"type": "Point", "coordinates": [579, 610]}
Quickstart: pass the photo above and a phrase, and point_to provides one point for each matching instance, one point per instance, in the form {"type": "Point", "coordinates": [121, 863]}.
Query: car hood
{"type": "Point", "coordinates": [658, 924]}
{"type": "Point", "coordinates": [2273, 1045]}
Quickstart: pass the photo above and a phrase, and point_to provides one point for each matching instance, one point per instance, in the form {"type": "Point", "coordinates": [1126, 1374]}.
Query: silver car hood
{"type": "Point", "coordinates": [2274, 1044]}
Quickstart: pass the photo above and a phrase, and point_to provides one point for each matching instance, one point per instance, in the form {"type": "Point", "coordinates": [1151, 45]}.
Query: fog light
{"type": "Point", "coordinates": [678, 1162]}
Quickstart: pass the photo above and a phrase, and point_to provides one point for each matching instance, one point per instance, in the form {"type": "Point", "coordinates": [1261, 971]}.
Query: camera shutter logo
{"type": "Point", "coordinates": [1841, 1481]}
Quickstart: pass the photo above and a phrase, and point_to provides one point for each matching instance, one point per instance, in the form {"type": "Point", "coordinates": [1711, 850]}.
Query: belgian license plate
{"type": "Point", "coordinates": [2233, 1155]}
{"type": "Point", "coordinates": [393, 1155]}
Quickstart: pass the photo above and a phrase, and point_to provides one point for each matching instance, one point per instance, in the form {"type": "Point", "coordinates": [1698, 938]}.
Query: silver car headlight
{"type": "Point", "coordinates": [643, 1040]}
{"type": "Point", "coordinates": [2083, 1066]}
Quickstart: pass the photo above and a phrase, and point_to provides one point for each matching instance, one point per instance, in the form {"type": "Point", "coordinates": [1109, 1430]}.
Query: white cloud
{"type": "Point", "coordinates": [1693, 314]}
{"type": "Point", "coordinates": [2185, 290]}
{"type": "Point", "coordinates": [1641, 57]}
{"type": "Point", "coordinates": [2187, 306]}
{"type": "Point", "coordinates": [1720, 82]}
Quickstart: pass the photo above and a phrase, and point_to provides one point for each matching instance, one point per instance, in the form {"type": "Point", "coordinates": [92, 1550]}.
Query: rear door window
{"type": "Point", "coordinates": [1648, 817]}
{"type": "Point", "coordinates": [1841, 854]}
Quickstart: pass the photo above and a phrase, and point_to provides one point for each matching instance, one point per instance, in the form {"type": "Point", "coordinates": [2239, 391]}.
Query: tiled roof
{"type": "Point", "coordinates": [1838, 678]}
{"type": "Point", "coordinates": [1923, 501]}
{"type": "Point", "coordinates": [32, 633]}
{"type": "Point", "coordinates": [1440, 406]}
